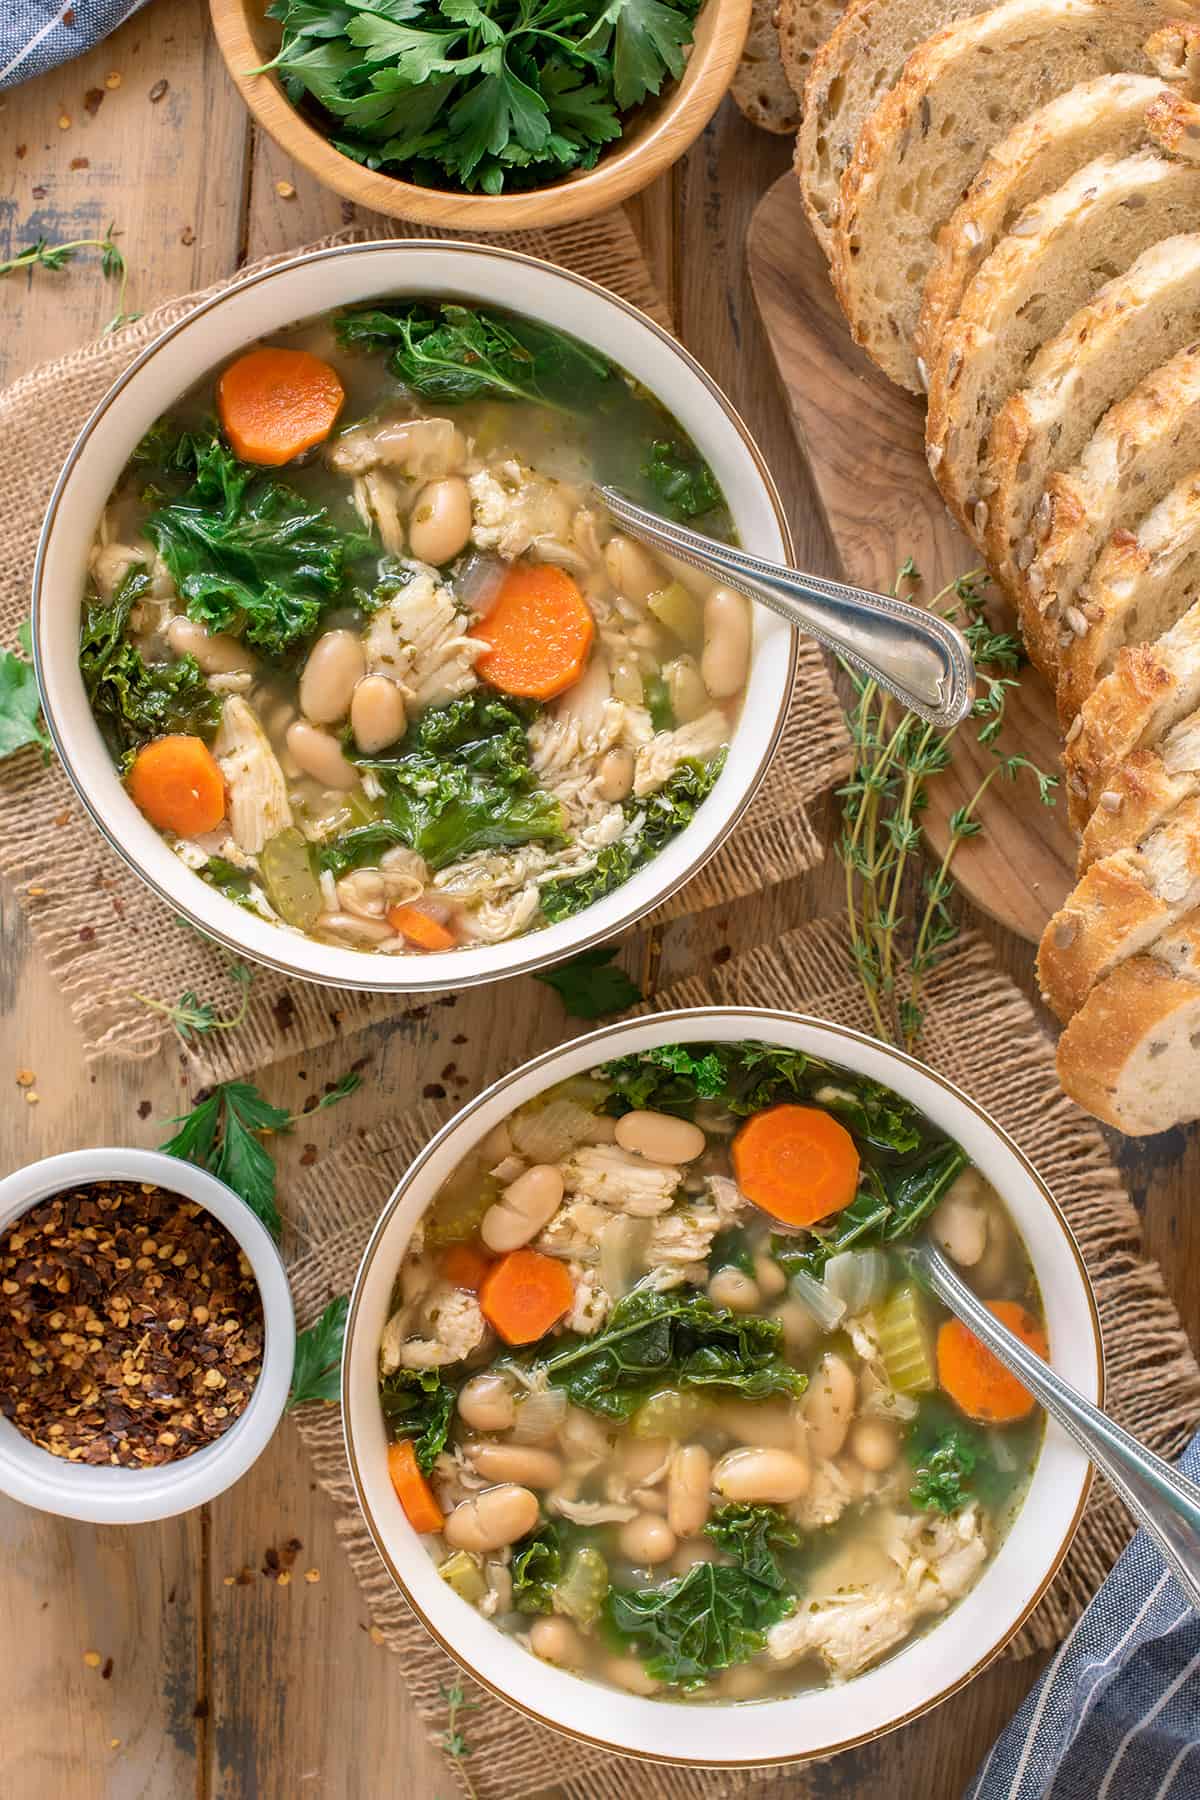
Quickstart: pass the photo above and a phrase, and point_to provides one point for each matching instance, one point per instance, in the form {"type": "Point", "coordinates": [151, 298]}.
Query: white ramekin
{"type": "Point", "coordinates": [269, 302]}
{"type": "Point", "coordinates": [818, 1723]}
{"type": "Point", "coordinates": [109, 1496]}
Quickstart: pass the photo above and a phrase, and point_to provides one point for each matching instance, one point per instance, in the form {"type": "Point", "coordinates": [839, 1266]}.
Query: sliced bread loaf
{"type": "Point", "coordinates": [1058, 253]}
{"type": "Point", "coordinates": [761, 88]}
{"type": "Point", "coordinates": [1129, 1054]}
{"type": "Point", "coordinates": [1133, 323]}
{"type": "Point", "coordinates": [1174, 124]}
{"type": "Point", "coordinates": [919, 151]}
{"type": "Point", "coordinates": [1140, 449]}
{"type": "Point", "coordinates": [1143, 792]}
{"type": "Point", "coordinates": [1105, 117]}
{"type": "Point", "coordinates": [802, 26]}
{"type": "Point", "coordinates": [849, 75]}
{"type": "Point", "coordinates": [1122, 905]}
{"type": "Point", "coordinates": [1142, 581]}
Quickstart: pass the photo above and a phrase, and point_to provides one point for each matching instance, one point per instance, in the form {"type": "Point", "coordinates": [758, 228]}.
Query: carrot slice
{"type": "Point", "coordinates": [420, 928]}
{"type": "Point", "coordinates": [524, 1294]}
{"type": "Point", "coordinates": [540, 632]}
{"type": "Point", "coordinates": [412, 1490]}
{"type": "Point", "coordinates": [797, 1162]}
{"type": "Point", "coordinates": [275, 404]}
{"type": "Point", "coordinates": [177, 783]}
{"type": "Point", "coordinates": [979, 1384]}
{"type": "Point", "coordinates": [466, 1267]}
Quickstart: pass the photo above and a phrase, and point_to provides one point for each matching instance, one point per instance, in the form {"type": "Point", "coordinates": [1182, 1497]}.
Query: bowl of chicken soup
{"type": "Point", "coordinates": [649, 1421]}
{"type": "Point", "coordinates": [344, 654]}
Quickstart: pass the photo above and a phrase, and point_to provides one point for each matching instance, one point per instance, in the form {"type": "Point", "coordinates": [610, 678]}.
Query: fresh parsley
{"type": "Point", "coordinates": [20, 706]}
{"type": "Point", "coordinates": [592, 985]}
{"type": "Point", "coordinates": [316, 1370]}
{"type": "Point", "coordinates": [220, 1135]}
{"type": "Point", "coordinates": [682, 480]}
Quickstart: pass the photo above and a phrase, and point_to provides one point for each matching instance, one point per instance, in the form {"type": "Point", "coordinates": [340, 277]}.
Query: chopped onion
{"type": "Point", "coordinates": [480, 580]}
{"type": "Point", "coordinates": [825, 1308]}
{"type": "Point", "coordinates": [546, 1134]}
{"type": "Point", "coordinates": [540, 1417]}
{"type": "Point", "coordinates": [623, 1244]}
{"type": "Point", "coordinates": [1003, 1454]}
{"type": "Point", "coordinates": [858, 1278]}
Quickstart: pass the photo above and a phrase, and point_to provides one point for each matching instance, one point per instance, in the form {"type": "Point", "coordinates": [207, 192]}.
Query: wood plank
{"type": "Point", "coordinates": [863, 441]}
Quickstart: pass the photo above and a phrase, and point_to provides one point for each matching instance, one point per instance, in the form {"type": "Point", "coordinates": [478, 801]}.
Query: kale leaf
{"type": "Point", "coordinates": [317, 1366]}
{"type": "Point", "coordinates": [746, 1076]}
{"type": "Point", "coordinates": [954, 1461]}
{"type": "Point", "coordinates": [417, 1404]}
{"type": "Point", "coordinates": [536, 1567]}
{"type": "Point", "coordinates": [941, 1472]}
{"type": "Point", "coordinates": [682, 479]}
{"type": "Point", "coordinates": [752, 1534]}
{"type": "Point", "coordinates": [683, 1337]}
{"type": "Point", "coordinates": [360, 847]}
{"type": "Point", "coordinates": [592, 985]}
{"type": "Point", "coordinates": [133, 701]}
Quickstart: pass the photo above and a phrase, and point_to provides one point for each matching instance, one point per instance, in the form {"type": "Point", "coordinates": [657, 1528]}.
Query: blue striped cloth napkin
{"type": "Point", "coordinates": [1116, 1716]}
{"type": "Point", "coordinates": [36, 35]}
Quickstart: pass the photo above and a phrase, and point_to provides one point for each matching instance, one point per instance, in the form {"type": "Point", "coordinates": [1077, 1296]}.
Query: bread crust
{"type": "Point", "coordinates": [1112, 906]}
{"type": "Point", "coordinates": [1143, 792]}
{"type": "Point", "coordinates": [761, 90]}
{"type": "Point", "coordinates": [803, 27]}
{"type": "Point", "coordinates": [1114, 1034]}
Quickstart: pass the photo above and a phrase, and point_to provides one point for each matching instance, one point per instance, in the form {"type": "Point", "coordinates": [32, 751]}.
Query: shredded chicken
{"type": "Point", "coordinates": [451, 1315]}
{"type": "Point", "coordinates": [621, 1180]}
{"type": "Point", "coordinates": [507, 884]}
{"type": "Point", "coordinates": [420, 640]}
{"type": "Point", "coordinates": [417, 449]}
{"type": "Point", "coordinates": [568, 740]}
{"type": "Point", "coordinates": [658, 760]}
{"type": "Point", "coordinates": [593, 1512]}
{"type": "Point", "coordinates": [258, 796]}
{"type": "Point", "coordinates": [515, 507]}
{"type": "Point", "coordinates": [110, 563]}
{"type": "Point", "coordinates": [591, 1304]}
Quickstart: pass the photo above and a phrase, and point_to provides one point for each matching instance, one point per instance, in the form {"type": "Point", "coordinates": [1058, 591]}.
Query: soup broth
{"type": "Point", "coordinates": [664, 1397]}
{"type": "Point", "coordinates": [369, 651]}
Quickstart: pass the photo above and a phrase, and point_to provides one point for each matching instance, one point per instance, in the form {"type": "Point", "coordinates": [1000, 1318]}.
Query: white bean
{"type": "Point", "coordinates": [688, 1481]}
{"type": "Point", "coordinates": [639, 1458]}
{"type": "Point", "coordinates": [874, 1443]}
{"type": "Point", "coordinates": [659, 1137]}
{"type": "Point", "coordinates": [725, 661]}
{"type": "Point", "coordinates": [614, 775]}
{"type": "Point", "coordinates": [742, 1682]}
{"type": "Point", "coordinates": [216, 651]}
{"type": "Point", "coordinates": [829, 1404]}
{"type": "Point", "coordinates": [632, 570]}
{"type": "Point", "coordinates": [694, 1550]}
{"type": "Point", "coordinates": [517, 1462]}
{"type": "Point", "coordinates": [646, 1540]}
{"type": "Point", "coordinates": [763, 1477]}
{"type": "Point", "coordinates": [486, 1403]}
{"type": "Point", "coordinates": [733, 1288]}
{"type": "Point", "coordinates": [557, 1641]}
{"type": "Point", "coordinates": [770, 1277]}
{"type": "Point", "coordinates": [650, 1499]}
{"type": "Point", "coordinates": [582, 1434]}
{"type": "Point", "coordinates": [336, 664]}
{"type": "Point", "coordinates": [685, 689]}
{"type": "Point", "coordinates": [441, 521]}
{"type": "Point", "coordinates": [353, 928]}
{"type": "Point", "coordinates": [488, 1521]}
{"type": "Point", "coordinates": [767, 1424]}
{"type": "Point", "coordinates": [523, 1208]}
{"type": "Point", "coordinates": [377, 715]}
{"type": "Point", "coordinates": [800, 1329]}
{"type": "Point", "coordinates": [628, 1672]}
{"type": "Point", "coordinates": [316, 753]}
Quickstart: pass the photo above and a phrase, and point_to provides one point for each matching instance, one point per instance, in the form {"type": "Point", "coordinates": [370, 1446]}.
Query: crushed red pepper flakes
{"type": "Point", "coordinates": [79, 162]}
{"type": "Point", "coordinates": [25, 1078]}
{"type": "Point", "coordinates": [131, 1328]}
{"type": "Point", "coordinates": [187, 235]}
{"type": "Point", "coordinates": [93, 100]}
{"type": "Point", "coordinates": [286, 190]}
{"type": "Point", "coordinates": [112, 79]}
{"type": "Point", "coordinates": [157, 91]}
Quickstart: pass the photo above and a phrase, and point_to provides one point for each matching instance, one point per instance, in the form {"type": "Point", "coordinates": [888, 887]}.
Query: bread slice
{"type": "Point", "coordinates": [1129, 1054]}
{"type": "Point", "coordinates": [1122, 905]}
{"type": "Point", "coordinates": [1173, 123]}
{"type": "Point", "coordinates": [1058, 253]}
{"type": "Point", "coordinates": [918, 152]}
{"type": "Point", "coordinates": [760, 85]}
{"type": "Point", "coordinates": [850, 74]}
{"type": "Point", "coordinates": [1152, 687]}
{"type": "Point", "coordinates": [1143, 792]}
{"type": "Point", "coordinates": [1131, 326]}
{"type": "Point", "coordinates": [1105, 117]}
{"type": "Point", "coordinates": [802, 26]}
{"type": "Point", "coordinates": [1143, 445]}
{"type": "Point", "coordinates": [1143, 579]}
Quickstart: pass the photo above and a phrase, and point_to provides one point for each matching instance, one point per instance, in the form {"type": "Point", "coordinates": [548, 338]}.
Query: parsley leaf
{"type": "Point", "coordinates": [649, 44]}
{"type": "Point", "coordinates": [317, 1369]}
{"type": "Point", "coordinates": [218, 1135]}
{"type": "Point", "coordinates": [591, 985]}
{"type": "Point", "coordinates": [20, 720]}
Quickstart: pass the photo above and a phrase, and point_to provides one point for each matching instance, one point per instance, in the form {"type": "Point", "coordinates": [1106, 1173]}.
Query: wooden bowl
{"type": "Point", "coordinates": [658, 134]}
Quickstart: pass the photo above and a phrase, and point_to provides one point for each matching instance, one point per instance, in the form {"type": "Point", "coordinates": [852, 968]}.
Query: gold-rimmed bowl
{"type": "Point", "coordinates": [819, 1722]}
{"type": "Point", "coordinates": [656, 135]}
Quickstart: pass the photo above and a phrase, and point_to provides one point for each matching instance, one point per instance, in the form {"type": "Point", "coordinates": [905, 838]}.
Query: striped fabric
{"type": "Point", "coordinates": [1116, 1716]}
{"type": "Point", "coordinates": [36, 35]}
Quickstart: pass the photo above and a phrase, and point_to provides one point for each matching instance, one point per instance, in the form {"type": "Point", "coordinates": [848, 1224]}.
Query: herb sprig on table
{"type": "Point", "coordinates": [44, 255]}
{"type": "Point", "coordinates": [478, 95]}
{"type": "Point", "coordinates": [20, 704]}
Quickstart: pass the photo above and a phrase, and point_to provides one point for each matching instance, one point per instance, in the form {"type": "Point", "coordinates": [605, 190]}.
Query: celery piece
{"type": "Point", "coordinates": [462, 1573]}
{"type": "Point", "coordinates": [582, 1588]}
{"type": "Point", "coordinates": [679, 611]}
{"type": "Point", "coordinates": [904, 1342]}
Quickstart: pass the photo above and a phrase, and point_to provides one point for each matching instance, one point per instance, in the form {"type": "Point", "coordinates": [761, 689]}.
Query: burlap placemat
{"type": "Point", "coordinates": [104, 933]}
{"type": "Point", "coordinates": [980, 1032]}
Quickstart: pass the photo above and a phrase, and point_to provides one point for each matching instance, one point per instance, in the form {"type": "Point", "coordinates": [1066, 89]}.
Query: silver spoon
{"type": "Point", "coordinates": [1162, 1500]}
{"type": "Point", "coordinates": [917, 656]}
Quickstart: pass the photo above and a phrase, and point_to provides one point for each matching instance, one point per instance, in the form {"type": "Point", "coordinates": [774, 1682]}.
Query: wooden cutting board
{"type": "Point", "coordinates": [863, 440]}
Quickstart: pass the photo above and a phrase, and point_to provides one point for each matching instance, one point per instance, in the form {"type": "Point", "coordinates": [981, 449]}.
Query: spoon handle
{"type": "Point", "coordinates": [1157, 1495]}
{"type": "Point", "coordinates": [919, 657]}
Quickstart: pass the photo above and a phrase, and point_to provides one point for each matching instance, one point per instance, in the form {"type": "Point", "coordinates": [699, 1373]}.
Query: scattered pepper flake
{"type": "Point", "coordinates": [286, 190]}
{"type": "Point", "coordinates": [93, 100]}
{"type": "Point", "coordinates": [376, 1635]}
{"type": "Point", "coordinates": [80, 162]}
{"type": "Point", "coordinates": [106, 1671]}
{"type": "Point", "coordinates": [284, 1577]}
{"type": "Point", "coordinates": [112, 79]}
{"type": "Point", "coordinates": [64, 121]}
{"type": "Point", "coordinates": [92, 1658]}
{"type": "Point", "coordinates": [187, 235]}
{"type": "Point", "coordinates": [87, 933]}
{"type": "Point", "coordinates": [39, 192]}
{"type": "Point", "coordinates": [114, 1743]}
{"type": "Point", "coordinates": [25, 1078]}
{"type": "Point", "coordinates": [32, 1098]}
{"type": "Point", "coordinates": [157, 91]}
{"type": "Point", "coordinates": [228, 1580]}
{"type": "Point", "coordinates": [312, 1575]}
{"type": "Point", "coordinates": [22, 151]}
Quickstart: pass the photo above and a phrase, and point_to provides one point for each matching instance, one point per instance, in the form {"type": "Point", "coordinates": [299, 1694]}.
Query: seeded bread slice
{"type": "Point", "coordinates": [1174, 124]}
{"type": "Point", "coordinates": [1142, 581]}
{"type": "Point", "coordinates": [1122, 905]}
{"type": "Point", "coordinates": [1152, 687]}
{"type": "Point", "coordinates": [919, 151]}
{"type": "Point", "coordinates": [1105, 117]}
{"type": "Point", "coordinates": [1144, 791]}
{"type": "Point", "coordinates": [1140, 449]}
{"type": "Point", "coordinates": [1129, 1054]}
{"type": "Point", "coordinates": [802, 26]}
{"type": "Point", "coordinates": [849, 75]}
{"type": "Point", "coordinates": [1059, 252]}
{"type": "Point", "coordinates": [1111, 344]}
{"type": "Point", "coordinates": [760, 88]}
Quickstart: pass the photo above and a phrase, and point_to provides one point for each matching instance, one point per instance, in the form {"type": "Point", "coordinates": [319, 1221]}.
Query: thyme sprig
{"type": "Point", "coordinates": [113, 266]}
{"type": "Point", "coordinates": [453, 1739]}
{"type": "Point", "coordinates": [193, 1017]}
{"type": "Point", "coordinates": [896, 756]}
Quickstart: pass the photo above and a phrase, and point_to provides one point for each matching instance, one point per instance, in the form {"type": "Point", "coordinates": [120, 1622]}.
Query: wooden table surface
{"type": "Point", "coordinates": [258, 1690]}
